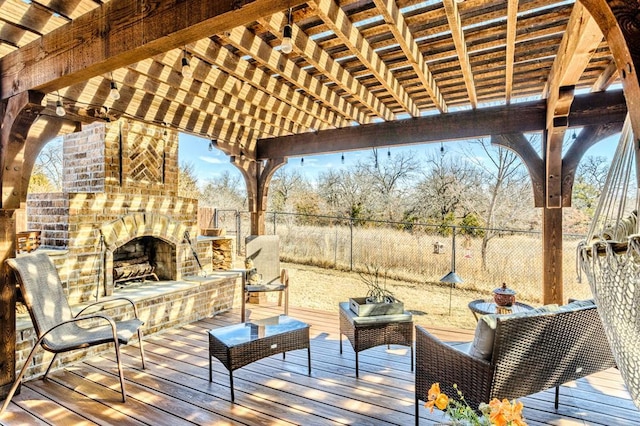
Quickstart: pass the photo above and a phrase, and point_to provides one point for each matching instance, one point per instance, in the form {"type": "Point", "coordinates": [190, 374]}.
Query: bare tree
{"type": "Point", "coordinates": [389, 180]}
{"type": "Point", "coordinates": [347, 193]}
{"type": "Point", "coordinates": [590, 177]}
{"type": "Point", "coordinates": [287, 185]}
{"type": "Point", "coordinates": [225, 191]}
{"type": "Point", "coordinates": [188, 181]}
{"type": "Point", "coordinates": [447, 183]}
{"type": "Point", "coordinates": [506, 184]}
{"type": "Point", "coordinates": [47, 170]}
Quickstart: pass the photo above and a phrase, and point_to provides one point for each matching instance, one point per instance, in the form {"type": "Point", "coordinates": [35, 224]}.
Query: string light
{"type": "Point", "coordinates": [114, 93]}
{"type": "Point", "coordinates": [389, 153]}
{"type": "Point", "coordinates": [60, 111]}
{"type": "Point", "coordinates": [287, 45]}
{"type": "Point", "coordinates": [441, 148]}
{"type": "Point", "coordinates": [186, 68]}
{"type": "Point", "coordinates": [301, 161]}
{"type": "Point", "coordinates": [342, 158]}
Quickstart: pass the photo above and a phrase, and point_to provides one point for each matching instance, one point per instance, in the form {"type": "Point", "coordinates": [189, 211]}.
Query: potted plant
{"type": "Point", "coordinates": [379, 300]}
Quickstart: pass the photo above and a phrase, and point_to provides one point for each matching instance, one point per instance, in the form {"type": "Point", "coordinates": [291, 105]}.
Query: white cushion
{"type": "Point", "coordinates": [482, 344]}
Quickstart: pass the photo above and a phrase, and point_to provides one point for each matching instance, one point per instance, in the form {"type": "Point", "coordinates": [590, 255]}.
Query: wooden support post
{"type": "Point", "coordinates": [7, 303]}
{"type": "Point", "coordinates": [18, 114]}
{"type": "Point", "coordinates": [552, 256]}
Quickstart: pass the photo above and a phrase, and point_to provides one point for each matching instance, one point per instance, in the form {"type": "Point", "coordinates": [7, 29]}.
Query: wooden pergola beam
{"type": "Point", "coordinates": [343, 28]}
{"type": "Point", "coordinates": [512, 26]}
{"type": "Point", "coordinates": [248, 43]}
{"type": "Point", "coordinates": [455, 24]}
{"type": "Point", "coordinates": [588, 109]}
{"type": "Point", "coordinates": [400, 30]}
{"type": "Point", "coordinates": [127, 33]}
{"type": "Point", "coordinates": [324, 63]}
{"type": "Point", "coordinates": [305, 108]}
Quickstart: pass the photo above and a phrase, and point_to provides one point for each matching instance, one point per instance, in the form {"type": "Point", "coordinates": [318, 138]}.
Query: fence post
{"type": "Point", "coordinates": [335, 250]}
{"type": "Point", "coordinates": [274, 223]}
{"type": "Point", "coordinates": [351, 244]}
{"type": "Point", "coordinates": [215, 218]}
{"type": "Point", "coordinates": [238, 232]}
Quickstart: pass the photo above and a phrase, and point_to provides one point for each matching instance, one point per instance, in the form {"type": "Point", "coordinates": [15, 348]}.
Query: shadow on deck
{"type": "Point", "coordinates": [174, 389]}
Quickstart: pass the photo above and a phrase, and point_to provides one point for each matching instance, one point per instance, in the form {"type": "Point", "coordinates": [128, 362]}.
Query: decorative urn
{"type": "Point", "coordinates": [504, 296]}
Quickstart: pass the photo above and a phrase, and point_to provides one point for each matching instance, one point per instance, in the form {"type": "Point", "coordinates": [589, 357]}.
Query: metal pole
{"type": "Point", "coordinates": [453, 264]}
{"type": "Point", "coordinates": [351, 244]}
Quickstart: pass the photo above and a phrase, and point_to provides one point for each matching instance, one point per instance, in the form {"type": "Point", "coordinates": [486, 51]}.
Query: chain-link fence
{"type": "Point", "coordinates": [414, 252]}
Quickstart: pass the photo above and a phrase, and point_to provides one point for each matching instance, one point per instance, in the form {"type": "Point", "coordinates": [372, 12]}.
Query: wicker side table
{"type": "Point", "coordinates": [367, 332]}
{"type": "Point", "coordinates": [241, 344]}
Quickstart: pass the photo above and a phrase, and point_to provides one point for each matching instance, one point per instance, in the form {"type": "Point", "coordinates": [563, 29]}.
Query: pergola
{"type": "Point", "coordinates": [361, 73]}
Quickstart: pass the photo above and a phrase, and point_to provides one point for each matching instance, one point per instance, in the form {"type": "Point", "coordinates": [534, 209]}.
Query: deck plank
{"type": "Point", "coordinates": [174, 389]}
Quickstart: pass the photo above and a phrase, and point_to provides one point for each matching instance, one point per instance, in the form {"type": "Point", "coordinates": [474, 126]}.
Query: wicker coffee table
{"type": "Point", "coordinates": [367, 332]}
{"type": "Point", "coordinates": [241, 344]}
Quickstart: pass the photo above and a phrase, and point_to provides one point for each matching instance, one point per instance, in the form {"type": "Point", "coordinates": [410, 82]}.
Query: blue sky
{"type": "Point", "coordinates": [212, 164]}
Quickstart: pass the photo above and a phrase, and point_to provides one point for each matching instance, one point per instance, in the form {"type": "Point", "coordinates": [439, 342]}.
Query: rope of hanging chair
{"type": "Point", "coordinates": [610, 259]}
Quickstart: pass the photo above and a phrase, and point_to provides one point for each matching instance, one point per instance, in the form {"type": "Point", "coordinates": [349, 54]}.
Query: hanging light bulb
{"type": "Point", "coordinates": [342, 158]}
{"type": "Point", "coordinates": [441, 148]}
{"type": "Point", "coordinates": [114, 93]}
{"type": "Point", "coordinates": [60, 111]}
{"type": "Point", "coordinates": [210, 146]}
{"type": "Point", "coordinates": [186, 68]}
{"type": "Point", "coordinates": [287, 45]}
{"type": "Point", "coordinates": [242, 156]}
{"type": "Point", "coordinates": [389, 153]}
{"type": "Point", "coordinates": [302, 162]}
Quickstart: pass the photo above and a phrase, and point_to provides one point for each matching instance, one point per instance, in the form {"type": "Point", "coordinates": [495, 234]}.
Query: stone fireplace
{"type": "Point", "coordinates": [120, 195]}
{"type": "Point", "coordinates": [141, 246]}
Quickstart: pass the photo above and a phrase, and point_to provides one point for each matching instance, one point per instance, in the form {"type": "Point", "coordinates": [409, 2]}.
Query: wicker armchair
{"type": "Point", "coordinates": [57, 328]}
{"type": "Point", "coordinates": [531, 353]}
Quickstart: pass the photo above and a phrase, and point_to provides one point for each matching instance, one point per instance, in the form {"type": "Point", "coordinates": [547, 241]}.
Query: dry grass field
{"type": "Point", "coordinates": [318, 288]}
{"type": "Point", "coordinates": [409, 258]}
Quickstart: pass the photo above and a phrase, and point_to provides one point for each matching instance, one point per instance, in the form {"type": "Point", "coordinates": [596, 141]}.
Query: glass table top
{"type": "Point", "coordinates": [246, 332]}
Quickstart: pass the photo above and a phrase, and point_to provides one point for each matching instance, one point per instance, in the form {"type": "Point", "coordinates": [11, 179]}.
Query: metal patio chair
{"type": "Point", "coordinates": [264, 252]}
{"type": "Point", "coordinates": [57, 328]}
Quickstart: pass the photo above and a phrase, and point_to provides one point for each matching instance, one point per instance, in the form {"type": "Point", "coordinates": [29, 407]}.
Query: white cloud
{"type": "Point", "coordinates": [211, 160]}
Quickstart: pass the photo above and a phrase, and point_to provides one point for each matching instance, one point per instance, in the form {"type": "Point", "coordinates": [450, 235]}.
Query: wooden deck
{"type": "Point", "coordinates": [174, 389]}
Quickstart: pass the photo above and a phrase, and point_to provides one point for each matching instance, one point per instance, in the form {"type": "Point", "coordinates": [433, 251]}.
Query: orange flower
{"type": "Point", "coordinates": [436, 398]}
{"type": "Point", "coordinates": [503, 413]}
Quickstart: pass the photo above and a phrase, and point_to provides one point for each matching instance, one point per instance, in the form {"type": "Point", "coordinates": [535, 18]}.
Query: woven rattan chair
{"type": "Point", "coordinates": [530, 354]}
{"type": "Point", "coordinates": [264, 252]}
{"type": "Point", "coordinates": [57, 328]}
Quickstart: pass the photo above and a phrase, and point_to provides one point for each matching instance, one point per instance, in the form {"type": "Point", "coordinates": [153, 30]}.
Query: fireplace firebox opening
{"type": "Point", "coordinates": [144, 258]}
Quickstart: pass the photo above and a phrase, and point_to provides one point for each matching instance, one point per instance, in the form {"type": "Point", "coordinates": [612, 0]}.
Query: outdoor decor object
{"type": "Point", "coordinates": [263, 273]}
{"type": "Point", "coordinates": [58, 329]}
{"type": "Point", "coordinates": [504, 296]}
{"type": "Point", "coordinates": [370, 331]}
{"type": "Point", "coordinates": [610, 258]}
{"type": "Point", "coordinates": [362, 308]}
{"type": "Point", "coordinates": [379, 300]}
{"type": "Point", "coordinates": [515, 355]}
{"type": "Point", "coordinates": [241, 344]}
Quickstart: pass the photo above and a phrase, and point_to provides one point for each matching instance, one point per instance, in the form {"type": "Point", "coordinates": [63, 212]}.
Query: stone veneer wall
{"type": "Point", "coordinates": [111, 170]}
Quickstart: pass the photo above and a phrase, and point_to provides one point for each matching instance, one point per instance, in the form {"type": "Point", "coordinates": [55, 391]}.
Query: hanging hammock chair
{"type": "Point", "coordinates": [610, 259]}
